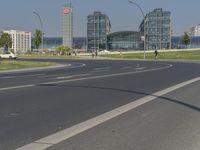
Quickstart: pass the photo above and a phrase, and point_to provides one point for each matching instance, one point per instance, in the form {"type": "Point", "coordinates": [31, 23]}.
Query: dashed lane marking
{"type": "Point", "coordinates": [87, 78]}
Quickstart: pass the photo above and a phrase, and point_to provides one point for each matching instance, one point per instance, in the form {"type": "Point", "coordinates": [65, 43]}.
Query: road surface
{"type": "Point", "coordinates": [37, 104]}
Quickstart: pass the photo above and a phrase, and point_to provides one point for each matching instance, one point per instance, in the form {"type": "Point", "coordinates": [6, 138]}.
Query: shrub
{"type": "Point", "coordinates": [63, 50]}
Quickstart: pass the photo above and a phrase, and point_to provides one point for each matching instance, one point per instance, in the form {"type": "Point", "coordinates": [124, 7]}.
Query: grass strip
{"type": "Point", "coordinates": [12, 64]}
{"type": "Point", "coordinates": [46, 56]}
{"type": "Point", "coordinates": [181, 55]}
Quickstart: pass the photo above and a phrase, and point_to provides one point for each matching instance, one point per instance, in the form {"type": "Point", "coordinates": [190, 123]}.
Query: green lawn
{"type": "Point", "coordinates": [12, 64]}
{"type": "Point", "coordinates": [47, 56]}
{"type": "Point", "coordinates": [183, 55]}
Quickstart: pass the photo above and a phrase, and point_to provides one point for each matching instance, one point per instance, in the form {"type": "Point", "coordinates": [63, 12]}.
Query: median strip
{"type": "Point", "coordinates": [9, 65]}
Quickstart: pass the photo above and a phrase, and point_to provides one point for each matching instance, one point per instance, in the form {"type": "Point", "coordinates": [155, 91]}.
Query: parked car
{"type": "Point", "coordinates": [8, 54]}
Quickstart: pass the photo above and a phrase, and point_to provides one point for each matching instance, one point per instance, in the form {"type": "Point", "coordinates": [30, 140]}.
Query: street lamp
{"type": "Point", "coordinates": [144, 38]}
{"type": "Point", "coordinates": [34, 12]}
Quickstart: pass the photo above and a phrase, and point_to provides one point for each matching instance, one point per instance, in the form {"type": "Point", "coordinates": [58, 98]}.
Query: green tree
{"type": "Point", "coordinates": [37, 39]}
{"type": "Point", "coordinates": [62, 50]}
{"type": "Point", "coordinates": [185, 39]}
{"type": "Point", "coordinates": [6, 41]}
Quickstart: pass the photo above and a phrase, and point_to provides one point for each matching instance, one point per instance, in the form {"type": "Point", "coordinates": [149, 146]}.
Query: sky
{"type": "Point", "coordinates": [18, 14]}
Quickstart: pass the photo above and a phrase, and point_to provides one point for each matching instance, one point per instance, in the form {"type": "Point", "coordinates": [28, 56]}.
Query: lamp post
{"type": "Point", "coordinates": [34, 12]}
{"type": "Point", "coordinates": [144, 38]}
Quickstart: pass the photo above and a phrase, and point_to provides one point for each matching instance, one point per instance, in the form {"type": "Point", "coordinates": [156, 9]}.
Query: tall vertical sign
{"type": "Point", "coordinates": [67, 28]}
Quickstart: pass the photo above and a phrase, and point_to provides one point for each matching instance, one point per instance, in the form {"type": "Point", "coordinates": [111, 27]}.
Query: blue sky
{"type": "Point", "coordinates": [17, 14]}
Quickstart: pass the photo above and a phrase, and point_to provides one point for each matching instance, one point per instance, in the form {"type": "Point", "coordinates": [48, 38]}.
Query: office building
{"type": "Point", "coordinates": [67, 26]}
{"type": "Point", "coordinates": [195, 31]}
{"type": "Point", "coordinates": [157, 29]}
{"type": "Point", "coordinates": [21, 40]}
{"type": "Point", "coordinates": [98, 27]}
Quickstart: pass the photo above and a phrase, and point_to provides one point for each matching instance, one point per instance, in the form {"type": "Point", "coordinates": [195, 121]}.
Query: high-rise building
{"type": "Point", "coordinates": [21, 40]}
{"type": "Point", "coordinates": [195, 31]}
{"type": "Point", "coordinates": [157, 29]}
{"type": "Point", "coordinates": [67, 26]}
{"type": "Point", "coordinates": [98, 27]}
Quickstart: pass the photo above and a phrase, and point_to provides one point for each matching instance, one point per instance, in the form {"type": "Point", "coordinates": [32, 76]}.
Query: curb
{"type": "Point", "coordinates": [35, 69]}
{"type": "Point", "coordinates": [129, 59]}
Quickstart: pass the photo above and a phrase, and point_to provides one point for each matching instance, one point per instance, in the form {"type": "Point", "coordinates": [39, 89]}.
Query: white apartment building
{"type": "Point", "coordinates": [195, 31]}
{"type": "Point", "coordinates": [21, 40]}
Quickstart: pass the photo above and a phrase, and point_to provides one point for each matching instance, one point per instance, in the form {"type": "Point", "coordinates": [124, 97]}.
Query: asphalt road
{"type": "Point", "coordinates": [36, 104]}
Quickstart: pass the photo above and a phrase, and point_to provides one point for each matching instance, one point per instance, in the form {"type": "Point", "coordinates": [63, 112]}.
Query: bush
{"type": "Point", "coordinates": [45, 51]}
{"type": "Point", "coordinates": [63, 50]}
{"type": "Point", "coordinates": [29, 52]}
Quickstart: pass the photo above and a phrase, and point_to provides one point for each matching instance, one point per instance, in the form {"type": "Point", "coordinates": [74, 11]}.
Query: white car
{"type": "Point", "coordinates": [8, 55]}
{"type": "Point", "coordinates": [104, 51]}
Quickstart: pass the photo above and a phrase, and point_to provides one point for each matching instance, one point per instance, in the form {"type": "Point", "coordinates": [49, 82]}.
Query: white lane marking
{"type": "Point", "coordinates": [65, 134]}
{"type": "Point", "coordinates": [55, 75]}
{"type": "Point", "coordinates": [128, 67]}
{"type": "Point", "coordinates": [98, 71]}
{"type": "Point", "coordinates": [102, 68]}
{"type": "Point", "coordinates": [16, 87]}
{"type": "Point", "coordinates": [79, 75]}
{"type": "Point", "coordinates": [81, 65]}
{"type": "Point", "coordinates": [109, 75]}
{"type": "Point", "coordinates": [87, 78]}
{"type": "Point", "coordinates": [137, 65]}
{"type": "Point", "coordinates": [10, 77]}
{"type": "Point", "coordinates": [140, 68]}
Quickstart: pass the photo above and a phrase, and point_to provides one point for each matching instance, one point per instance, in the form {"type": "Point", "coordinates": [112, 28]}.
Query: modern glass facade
{"type": "Point", "coordinates": [98, 26]}
{"type": "Point", "coordinates": [125, 40]}
{"type": "Point", "coordinates": [157, 29]}
{"type": "Point", "coordinates": [53, 42]}
{"type": "Point", "coordinates": [68, 26]}
{"type": "Point", "coordinates": [80, 42]}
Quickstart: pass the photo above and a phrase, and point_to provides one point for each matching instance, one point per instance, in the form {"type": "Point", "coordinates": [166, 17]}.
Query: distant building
{"type": "Point", "coordinates": [21, 40]}
{"type": "Point", "coordinates": [125, 40]}
{"type": "Point", "coordinates": [177, 44]}
{"type": "Point", "coordinates": [157, 29]}
{"type": "Point", "coordinates": [98, 27]}
{"type": "Point", "coordinates": [67, 26]}
{"type": "Point", "coordinates": [195, 31]}
{"type": "Point", "coordinates": [53, 42]}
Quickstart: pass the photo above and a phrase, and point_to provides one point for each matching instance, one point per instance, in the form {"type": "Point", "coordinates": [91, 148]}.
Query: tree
{"type": "Point", "coordinates": [6, 41]}
{"type": "Point", "coordinates": [185, 39]}
{"type": "Point", "coordinates": [62, 50]}
{"type": "Point", "coordinates": [37, 40]}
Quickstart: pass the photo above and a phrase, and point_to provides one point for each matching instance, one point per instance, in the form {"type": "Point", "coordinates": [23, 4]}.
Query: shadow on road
{"type": "Point", "coordinates": [129, 91]}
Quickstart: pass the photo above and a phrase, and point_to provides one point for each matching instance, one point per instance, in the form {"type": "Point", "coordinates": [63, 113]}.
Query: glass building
{"type": "Point", "coordinates": [177, 44]}
{"type": "Point", "coordinates": [67, 26]}
{"type": "Point", "coordinates": [80, 42]}
{"type": "Point", "coordinates": [125, 40]}
{"type": "Point", "coordinates": [98, 27]}
{"type": "Point", "coordinates": [53, 42]}
{"type": "Point", "coordinates": [157, 29]}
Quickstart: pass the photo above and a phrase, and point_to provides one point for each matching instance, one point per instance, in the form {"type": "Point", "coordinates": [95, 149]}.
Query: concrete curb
{"type": "Point", "coordinates": [35, 68]}
{"type": "Point", "coordinates": [129, 59]}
